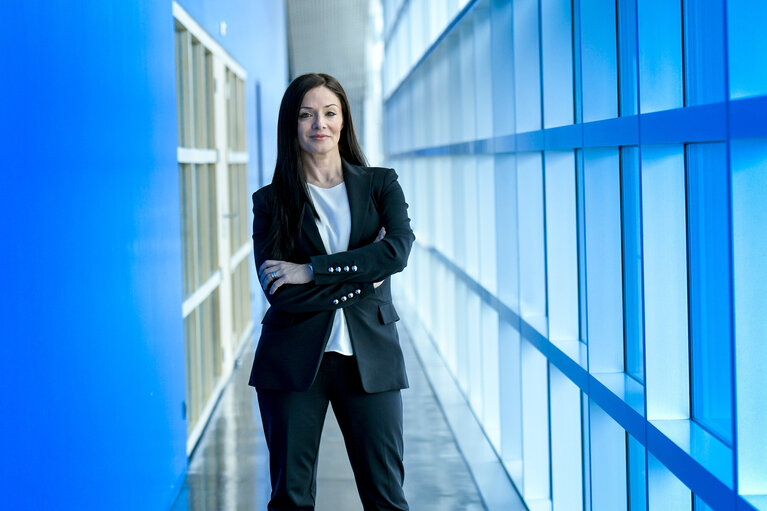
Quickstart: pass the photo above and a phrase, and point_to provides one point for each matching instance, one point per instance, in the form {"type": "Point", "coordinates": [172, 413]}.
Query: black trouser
{"type": "Point", "coordinates": [372, 429]}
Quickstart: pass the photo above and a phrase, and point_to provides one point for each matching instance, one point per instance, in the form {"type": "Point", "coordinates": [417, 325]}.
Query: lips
{"type": "Point", "coordinates": [319, 137]}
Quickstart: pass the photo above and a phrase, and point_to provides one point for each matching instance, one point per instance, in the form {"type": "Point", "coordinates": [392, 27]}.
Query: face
{"type": "Point", "coordinates": [320, 121]}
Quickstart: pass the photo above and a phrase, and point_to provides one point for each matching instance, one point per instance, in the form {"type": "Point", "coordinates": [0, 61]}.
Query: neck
{"type": "Point", "coordinates": [323, 170]}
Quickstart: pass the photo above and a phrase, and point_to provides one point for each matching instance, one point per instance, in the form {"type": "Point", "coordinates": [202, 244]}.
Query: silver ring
{"type": "Point", "coordinates": [274, 274]}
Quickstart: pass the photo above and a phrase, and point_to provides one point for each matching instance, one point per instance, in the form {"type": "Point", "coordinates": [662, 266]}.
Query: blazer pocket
{"type": "Point", "coordinates": [387, 314]}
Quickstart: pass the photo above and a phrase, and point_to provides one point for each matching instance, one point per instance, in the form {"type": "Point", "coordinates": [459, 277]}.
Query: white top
{"type": "Point", "coordinates": [335, 226]}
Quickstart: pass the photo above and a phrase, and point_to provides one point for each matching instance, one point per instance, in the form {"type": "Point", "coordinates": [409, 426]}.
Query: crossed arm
{"type": "Point", "coordinates": [277, 273]}
{"type": "Point", "coordinates": [318, 287]}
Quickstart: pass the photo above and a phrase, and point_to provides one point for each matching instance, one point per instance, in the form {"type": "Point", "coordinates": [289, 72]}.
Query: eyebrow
{"type": "Point", "coordinates": [310, 108]}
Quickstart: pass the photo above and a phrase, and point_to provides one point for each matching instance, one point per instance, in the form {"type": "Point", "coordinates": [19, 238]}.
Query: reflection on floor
{"type": "Point", "coordinates": [229, 470]}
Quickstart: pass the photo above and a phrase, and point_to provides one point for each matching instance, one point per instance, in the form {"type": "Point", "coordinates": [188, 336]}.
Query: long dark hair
{"type": "Point", "coordinates": [290, 192]}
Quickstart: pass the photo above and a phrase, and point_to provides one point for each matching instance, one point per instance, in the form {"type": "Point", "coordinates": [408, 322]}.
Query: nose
{"type": "Point", "coordinates": [319, 122]}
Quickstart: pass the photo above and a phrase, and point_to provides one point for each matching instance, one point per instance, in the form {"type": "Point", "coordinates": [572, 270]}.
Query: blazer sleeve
{"type": "Point", "coordinates": [309, 297]}
{"type": "Point", "coordinates": [375, 261]}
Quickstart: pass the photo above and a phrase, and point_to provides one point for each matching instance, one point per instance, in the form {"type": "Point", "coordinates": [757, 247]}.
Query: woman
{"type": "Point", "coordinates": [327, 233]}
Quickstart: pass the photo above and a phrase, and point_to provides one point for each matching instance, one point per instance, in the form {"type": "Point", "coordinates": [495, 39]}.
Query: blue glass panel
{"type": "Point", "coordinates": [580, 211]}
{"type": "Point", "coordinates": [510, 383]}
{"type": "Point", "coordinates": [627, 56]}
{"type": "Point", "coordinates": [532, 270]}
{"type": "Point", "coordinates": [709, 263]}
{"type": "Point", "coordinates": [467, 63]}
{"type": "Point", "coordinates": [506, 229]}
{"type": "Point", "coordinates": [457, 200]}
{"type": "Point", "coordinates": [502, 75]}
{"type": "Point", "coordinates": [637, 478]}
{"type": "Point", "coordinates": [483, 93]}
{"type": "Point", "coordinates": [420, 97]}
{"type": "Point", "coordinates": [577, 80]}
{"type": "Point", "coordinates": [660, 55]}
{"type": "Point", "coordinates": [599, 60]}
{"type": "Point", "coordinates": [586, 441]}
{"type": "Point", "coordinates": [566, 448]}
{"type": "Point", "coordinates": [439, 96]}
{"type": "Point", "coordinates": [747, 40]}
{"type": "Point", "coordinates": [557, 53]}
{"type": "Point", "coordinates": [631, 193]}
{"type": "Point", "coordinates": [527, 70]}
{"type": "Point", "coordinates": [749, 239]}
{"type": "Point", "coordinates": [560, 225]}
{"type": "Point", "coordinates": [453, 48]}
{"type": "Point", "coordinates": [665, 491]}
{"type": "Point", "coordinates": [603, 259]}
{"type": "Point", "coordinates": [609, 481]}
{"type": "Point", "coordinates": [703, 51]}
{"type": "Point", "coordinates": [664, 249]}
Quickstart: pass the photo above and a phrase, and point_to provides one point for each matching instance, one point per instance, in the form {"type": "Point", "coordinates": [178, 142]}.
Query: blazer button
{"type": "Point", "coordinates": [358, 291]}
{"type": "Point", "coordinates": [343, 298]}
{"type": "Point", "coordinates": [354, 268]}
{"type": "Point", "coordinates": [338, 268]}
{"type": "Point", "coordinates": [335, 301]}
{"type": "Point", "coordinates": [350, 295]}
{"type": "Point", "coordinates": [346, 268]}
{"type": "Point", "coordinates": [330, 270]}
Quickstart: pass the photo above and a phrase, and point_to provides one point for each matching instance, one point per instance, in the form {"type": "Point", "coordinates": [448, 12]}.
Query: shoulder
{"type": "Point", "coordinates": [379, 176]}
{"type": "Point", "coordinates": [262, 199]}
{"type": "Point", "coordinates": [263, 193]}
{"type": "Point", "coordinates": [383, 173]}
{"type": "Point", "coordinates": [376, 172]}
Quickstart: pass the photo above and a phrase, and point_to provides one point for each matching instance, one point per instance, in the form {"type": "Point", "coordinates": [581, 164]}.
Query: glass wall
{"type": "Point", "coordinates": [587, 184]}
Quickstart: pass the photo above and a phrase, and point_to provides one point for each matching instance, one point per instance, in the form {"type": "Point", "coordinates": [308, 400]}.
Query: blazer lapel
{"type": "Point", "coordinates": [309, 228]}
{"type": "Point", "coordinates": [358, 190]}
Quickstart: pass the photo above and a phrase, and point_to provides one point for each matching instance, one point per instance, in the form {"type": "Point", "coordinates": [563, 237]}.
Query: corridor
{"type": "Point", "coordinates": [582, 309]}
{"type": "Point", "coordinates": [229, 469]}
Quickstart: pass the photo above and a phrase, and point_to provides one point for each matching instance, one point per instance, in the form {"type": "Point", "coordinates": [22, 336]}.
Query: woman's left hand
{"type": "Point", "coordinates": [278, 273]}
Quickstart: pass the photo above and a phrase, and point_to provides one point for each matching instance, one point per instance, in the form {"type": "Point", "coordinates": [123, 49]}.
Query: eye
{"type": "Point", "coordinates": [331, 114]}
{"type": "Point", "coordinates": [304, 115]}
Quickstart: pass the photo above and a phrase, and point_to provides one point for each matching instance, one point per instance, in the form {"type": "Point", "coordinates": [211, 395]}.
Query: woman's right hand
{"type": "Point", "coordinates": [276, 273]}
{"type": "Point", "coordinates": [379, 237]}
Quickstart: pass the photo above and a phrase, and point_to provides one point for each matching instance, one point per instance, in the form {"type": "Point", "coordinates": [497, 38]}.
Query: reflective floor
{"type": "Point", "coordinates": [229, 469]}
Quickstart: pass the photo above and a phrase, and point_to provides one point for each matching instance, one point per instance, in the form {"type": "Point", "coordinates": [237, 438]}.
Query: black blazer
{"type": "Point", "coordinates": [296, 327]}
